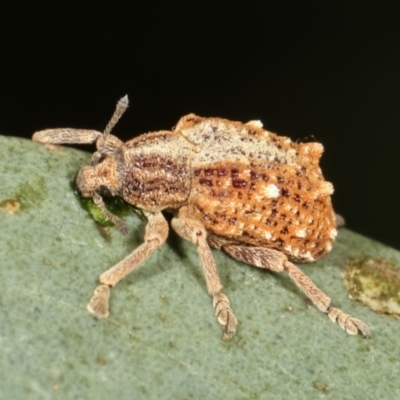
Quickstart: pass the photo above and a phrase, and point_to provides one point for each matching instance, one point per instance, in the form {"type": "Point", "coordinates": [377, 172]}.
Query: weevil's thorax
{"type": "Point", "coordinates": [253, 187]}
{"type": "Point", "coordinates": [157, 171]}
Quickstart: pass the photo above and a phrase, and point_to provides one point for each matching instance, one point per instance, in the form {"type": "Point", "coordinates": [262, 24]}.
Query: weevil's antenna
{"type": "Point", "coordinates": [122, 105]}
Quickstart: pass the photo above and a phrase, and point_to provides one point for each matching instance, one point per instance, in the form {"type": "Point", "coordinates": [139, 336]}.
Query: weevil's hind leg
{"type": "Point", "coordinates": [155, 235]}
{"type": "Point", "coordinates": [276, 261]}
{"type": "Point", "coordinates": [66, 136]}
{"type": "Point", "coordinates": [194, 231]}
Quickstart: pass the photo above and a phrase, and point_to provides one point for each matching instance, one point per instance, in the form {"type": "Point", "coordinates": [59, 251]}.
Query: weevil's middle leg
{"type": "Point", "coordinates": [156, 234]}
{"type": "Point", "coordinates": [194, 231]}
{"type": "Point", "coordinates": [276, 261]}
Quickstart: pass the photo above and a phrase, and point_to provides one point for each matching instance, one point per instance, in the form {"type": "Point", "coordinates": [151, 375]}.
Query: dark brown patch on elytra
{"type": "Point", "coordinates": [254, 175]}
{"type": "Point", "coordinates": [207, 182]}
{"type": "Point", "coordinates": [222, 172]}
{"type": "Point", "coordinates": [239, 183]}
{"type": "Point", "coordinates": [234, 172]}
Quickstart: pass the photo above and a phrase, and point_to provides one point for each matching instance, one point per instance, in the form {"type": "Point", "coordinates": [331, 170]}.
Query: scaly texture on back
{"type": "Point", "coordinates": [255, 187]}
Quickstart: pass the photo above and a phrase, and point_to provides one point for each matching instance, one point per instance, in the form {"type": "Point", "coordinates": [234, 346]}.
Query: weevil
{"type": "Point", "coordinates": [233, 186]}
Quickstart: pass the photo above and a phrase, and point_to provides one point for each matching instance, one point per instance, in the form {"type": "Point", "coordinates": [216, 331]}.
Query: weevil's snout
{"type": "Point", "coordinates": [86, 181]}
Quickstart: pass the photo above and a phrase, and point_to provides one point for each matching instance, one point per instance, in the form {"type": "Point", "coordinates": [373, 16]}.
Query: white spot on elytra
{"type": "Point", "coordinates": [288, 207]}
{"type": "Point", "coordinates": [272, 191]}
{"type": "Point", "coordinates": [256, 123]}
{"type": "Point", "coordinates": [316, 149]}
{"type": "Point", "coordinates": [301, 233]}
{"type": "Point", "coordinates": [289, 249]}
{"type": "Point", "coordinates": [326, 189]}
{"type": "Point", "coordinates": [257, 216]}
{"type": "Point", "coordinates": [296, 252]}
{"type": "Point", "coordinates": [267, 235]}
{"type": "Point", "coordinates": [308, 256]}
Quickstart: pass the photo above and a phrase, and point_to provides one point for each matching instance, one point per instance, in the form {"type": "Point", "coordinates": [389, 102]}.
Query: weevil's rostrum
{"type": "Point", "coordinates": [257, 196]}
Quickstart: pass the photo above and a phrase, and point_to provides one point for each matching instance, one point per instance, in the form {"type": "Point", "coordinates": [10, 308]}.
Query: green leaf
{"type": "Point", "coordinates": [161, 339]}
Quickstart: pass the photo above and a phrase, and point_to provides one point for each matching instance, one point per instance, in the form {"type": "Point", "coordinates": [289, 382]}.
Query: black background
{"type": "Point", "coordinates": [325, 69]}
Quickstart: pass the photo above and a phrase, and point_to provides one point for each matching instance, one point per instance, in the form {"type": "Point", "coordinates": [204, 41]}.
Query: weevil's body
{"type": "Point", "coordinates": [256, 195]}
{"type": "Point", "coordinates": [266, 191]}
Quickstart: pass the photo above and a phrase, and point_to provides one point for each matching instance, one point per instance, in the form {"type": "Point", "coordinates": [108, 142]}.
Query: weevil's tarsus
{"type": "Point", "coordinates": [225, 315]}
{"type": "Point", "coordinates": [98, 305]}
{"type": "Point", "coordinates": [350, 324]}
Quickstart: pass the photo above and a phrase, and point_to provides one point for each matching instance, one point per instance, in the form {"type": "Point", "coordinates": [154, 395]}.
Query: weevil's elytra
{"type": "Point", "coordinates": [257, 196]}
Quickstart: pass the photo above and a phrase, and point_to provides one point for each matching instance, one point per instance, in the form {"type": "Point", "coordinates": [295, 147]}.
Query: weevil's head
{"type": "Point", "coordinates": [104, 178]}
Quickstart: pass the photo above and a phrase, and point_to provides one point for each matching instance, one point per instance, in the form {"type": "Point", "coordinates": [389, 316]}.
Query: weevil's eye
{"type": "Point", "coordinates": [104, 191]}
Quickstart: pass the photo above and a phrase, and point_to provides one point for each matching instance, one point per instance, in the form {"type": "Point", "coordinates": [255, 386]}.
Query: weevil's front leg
{"type": "Point", "coordinates": [194, 231]}
{"type": "Point", "coordinates": [276, 261]}
{"type": "Point", "coordinates": [66, 136]}
{"type": "Point", "coordinates": [155, 235]}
